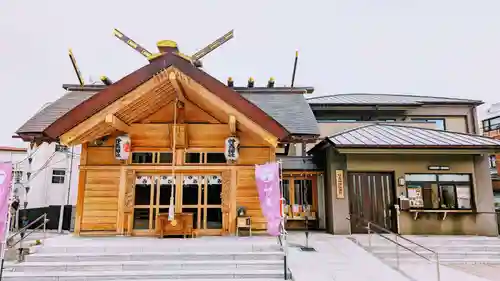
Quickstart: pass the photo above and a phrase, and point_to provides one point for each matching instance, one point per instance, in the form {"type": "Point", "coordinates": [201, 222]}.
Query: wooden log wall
{"type": "Point", "coordinates": [100, 187]}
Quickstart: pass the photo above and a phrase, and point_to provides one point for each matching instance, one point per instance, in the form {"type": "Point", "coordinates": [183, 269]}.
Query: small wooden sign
{"type": "Point", "coordinates": [339, 179]}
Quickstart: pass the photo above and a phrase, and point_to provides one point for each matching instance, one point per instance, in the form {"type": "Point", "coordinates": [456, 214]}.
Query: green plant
{"type": "Point", "coordinates": [38, 242]}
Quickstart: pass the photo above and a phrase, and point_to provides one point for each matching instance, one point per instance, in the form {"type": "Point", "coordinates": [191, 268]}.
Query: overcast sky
{"type": "Point", "coordinates": [445, 48]}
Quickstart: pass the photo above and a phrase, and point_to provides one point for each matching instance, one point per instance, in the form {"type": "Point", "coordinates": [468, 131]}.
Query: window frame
{"type": "Point", "coordinates": [488, 126]}
{"type": "Point", "coordinates": [440, 185]}
{"type": "Point", "coordinates": [156, 158]}
{"type": "Point", "coordinates": [430, 120]}
{"type": "Point", "coordinates": [203, 156]}
{"type": "Point", "coordinates": [58, 146]}
{"type": "Point", "coordinates": [63, 176]}
{"type": "Point", "coordinates": [291, 194]}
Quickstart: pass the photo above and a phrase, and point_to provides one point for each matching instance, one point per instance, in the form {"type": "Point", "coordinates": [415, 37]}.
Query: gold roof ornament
{"type": "Point", "coordinates": [169, 46]}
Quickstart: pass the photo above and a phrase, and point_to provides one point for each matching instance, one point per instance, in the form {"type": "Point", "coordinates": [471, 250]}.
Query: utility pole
{"type": "Point", "coordinates": [67, 190]}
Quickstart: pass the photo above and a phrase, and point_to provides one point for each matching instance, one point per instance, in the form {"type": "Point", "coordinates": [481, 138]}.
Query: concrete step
{"type": "Point", "coordinates": [464, 248]}
{"type": "Point", "coordinates": [170, 247]}
{"type": "Point", "coordinates": [142, 275]}
{"type": "Point", "coordinates": [443, 261]}
{"type": "Point", "coordinates": [144, 265]}
{"type": "Point", "coordinates": [147, 256]}
{"type": "Point", "coordinates": [442, 255]}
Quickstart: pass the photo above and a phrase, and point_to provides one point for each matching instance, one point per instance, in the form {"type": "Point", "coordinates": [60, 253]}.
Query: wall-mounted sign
{"type": "Point", "coordinates": [439, 168]}
{"type": "Point", "coordinates": [231, 148]}
{"type": "Point", "coordinates": [122, 147]}
{"type": "Point", "coordinates": [339, 180]}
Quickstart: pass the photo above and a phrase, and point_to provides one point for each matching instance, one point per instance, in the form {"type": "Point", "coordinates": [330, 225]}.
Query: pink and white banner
{"type": "Point", "coordinates": [267, 177]}
{"type": "Point", "coordinates": [5, 185]}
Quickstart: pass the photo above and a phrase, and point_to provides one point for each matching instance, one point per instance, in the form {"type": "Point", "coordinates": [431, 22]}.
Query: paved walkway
{"type": "Point", "coordinates": [338, 258]}
{"type": "Point", "coordinates": [488, 271]}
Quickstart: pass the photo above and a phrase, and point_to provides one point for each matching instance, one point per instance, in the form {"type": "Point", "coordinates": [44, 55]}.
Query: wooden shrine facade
{"type": "Point", "coordinates": [177, 120]}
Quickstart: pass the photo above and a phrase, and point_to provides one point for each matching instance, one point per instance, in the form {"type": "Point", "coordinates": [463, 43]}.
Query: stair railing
{"type": "Point", "coordinates": [373, 228]}
{"type": "Point", "coordinates": [282, 241]}
{"type": "Point", "coordinates": [24, 232]}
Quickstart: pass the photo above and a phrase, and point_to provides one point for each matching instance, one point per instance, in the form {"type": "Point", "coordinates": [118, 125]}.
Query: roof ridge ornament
{"type": "Point", "coordinates": [170, 46]}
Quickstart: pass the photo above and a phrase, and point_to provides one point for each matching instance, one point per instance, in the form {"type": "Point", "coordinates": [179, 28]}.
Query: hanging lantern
{"type": "Point", "coordinates": [122, 147]}
{"type": "Point", "coordinates": [231, 148]}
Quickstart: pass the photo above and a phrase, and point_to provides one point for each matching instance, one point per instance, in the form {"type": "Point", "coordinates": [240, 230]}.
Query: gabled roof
{"type": "Point", "coordinates": [53, 111]}
{"type": "Point", "coordinates": [70, 110]}
{"type": "Point", "coordinates": [386, 99]}
{"type": "Point", "coordinates": [290, 110]}
{"type": "Point", "coordinates": [398, 136]}
{"type": "Point", "coordinates": [273, 108]}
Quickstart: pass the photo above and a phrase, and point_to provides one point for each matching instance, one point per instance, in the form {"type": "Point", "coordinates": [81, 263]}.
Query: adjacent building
{"type": "Point", "coordinates": [411, 164]}
{"type": "Point", "coordinates": [491, 128]}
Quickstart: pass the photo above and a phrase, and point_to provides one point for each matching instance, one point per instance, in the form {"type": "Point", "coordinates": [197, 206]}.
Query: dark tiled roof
{"type": "Point", "coordinates": [394, 136]}
{"type": "Point", "coordinates": [297, 163]}
{"type": "Point", "coordinates": [53, 111]}
{"type": "Point", "coordinates": [290, 110]}
{"type": "Point", "coordinates": [387, 99]}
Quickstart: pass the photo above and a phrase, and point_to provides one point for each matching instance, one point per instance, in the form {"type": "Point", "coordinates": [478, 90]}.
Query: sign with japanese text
{"type": "Point", "coordinates": [231, 148]}
{"type": "Point", "coordinates": [339, 180]}
{"type": "Point", "coordinates": [122, 147]}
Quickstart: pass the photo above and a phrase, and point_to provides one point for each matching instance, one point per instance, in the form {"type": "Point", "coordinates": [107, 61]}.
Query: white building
{"type": "Point", "coordinates": [50, 175]}
{"type": "Point", "coordinates": [47, 172]}
{"type": "Point", "coordinates": [16, 156]}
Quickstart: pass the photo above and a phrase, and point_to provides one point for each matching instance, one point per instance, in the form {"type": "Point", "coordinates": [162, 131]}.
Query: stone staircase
{"type": "Point", "coordinates": [451, 249]}
{"type": "Point", "coordinates": [125, 258]}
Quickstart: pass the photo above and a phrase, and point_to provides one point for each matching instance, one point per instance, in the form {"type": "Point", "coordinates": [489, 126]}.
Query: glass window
{"type": "Point", "coordinates": [440, 123]}
{"type": "Point", "coordinates": [463, 197]}
{"type": "Point", "coordinates": [493, 161]}
{"type": "Point", "coordinates": [193, 157]}
{"type": "Point", "coordinates": [448, 196]}
{"type": "Point", "coordinates": [453, 177]}
{"type": "Point", "coordinates": [190, 193]}
{"type": "Point", "coordinates": [142, 157]}
{"type": "Point", "coordinates": [420, 177]}
{"type": "Point", "coordinates": [18, 176]}
{"type": "Point", "coordinates": [58, 176]}
{"type": "Point", "coordinates": [142, 194]}
{"type": "Point", "coordinates": [447, 191]}
{"type": "Point", "coordinates": [141, 219]}
{"type": "Point", "coordinates": [166, 193]}
{"type": "Point", "coordinates": [497, 200]}
{"type": "Point", "coordinates": [61, 148]}
{"type": "Point", "coordinates": [303, 192]}
{"type": "Point", "coordinates": [216, 157]}
{"type": "Point", "coordinates": [286, 191]}
{"type": "Point", "coordinates": [165, 157]}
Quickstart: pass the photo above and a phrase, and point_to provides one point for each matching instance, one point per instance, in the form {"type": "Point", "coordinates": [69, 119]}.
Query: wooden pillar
{"type": "Point", "coordinates": [226, 201]}
{"type": "Point", "coordinates": [128, 208]}
{"type": "Point", "coordinates": [82, 178]}
{"type": "Point", "coordinates": [122, 191]}
{"type": "Point", "coordinates": [232, 196]}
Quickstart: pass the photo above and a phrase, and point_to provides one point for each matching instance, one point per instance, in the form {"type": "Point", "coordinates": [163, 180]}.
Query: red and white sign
{"type": "Point", "coordinates": [122, 147]}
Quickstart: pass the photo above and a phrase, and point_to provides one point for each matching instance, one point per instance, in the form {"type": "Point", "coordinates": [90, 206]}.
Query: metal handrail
{"type": "Point", "coordinates": [282, 241]}
{"type": "Point", "coordinates": [370, 228]}
{"type": "Point", "coordinates": [24, 234]}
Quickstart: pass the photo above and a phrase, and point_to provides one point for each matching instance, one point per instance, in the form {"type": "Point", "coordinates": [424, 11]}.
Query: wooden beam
{"type": "Point", "coordinates": [232, 124]}
{"type": "Point", "coordinates": [172, 77]}
{"type": "Point", "coordinates": [219, 104]}
{"type": "Point", "coordinates": [116, 123]}
{"type": "Point", "coordinates": [127, 100]}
